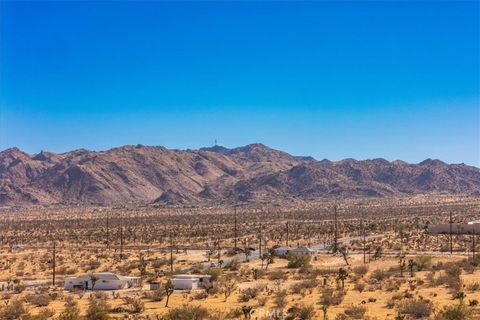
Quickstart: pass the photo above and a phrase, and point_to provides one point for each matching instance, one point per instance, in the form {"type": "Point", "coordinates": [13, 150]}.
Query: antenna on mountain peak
{"type": "Point", "coordinates": [215, 142]}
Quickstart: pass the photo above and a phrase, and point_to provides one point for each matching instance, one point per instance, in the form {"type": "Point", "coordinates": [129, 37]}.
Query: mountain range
{"type": "Point", "coordinates": [253, 173]}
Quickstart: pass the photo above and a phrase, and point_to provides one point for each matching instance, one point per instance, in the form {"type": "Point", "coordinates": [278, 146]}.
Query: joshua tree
{"type": "Point", "coordinates": [247, 312]}
{"type": "Point", "coordinates": [343, 251]}
{"type": "Point", "coordinates": [246, 249]}
{"type": "Point", "coordinates": [402, 264]}
{"type": "Point", "coordinates": [228, 285]}
{"type": "Point", "coordinates": [378, 253]}
{"type": "Point", "coordinates": [342, 276]}
{"type": "Point", "coordinates": [143, 265]}
{"type": "Point", "coordinates": [460, 296]}
{"type": "Point", "coordinates": [93, 279]}
{"type": "Point", "coordinates": [168, 291]}
{"type": "Point", "coordinates": [210, 253]}
{"type": "Point", "coordinates": [324, 309]}
{"type": "Point", "coordinates": [268, 257]}
{"type": "Point", "coordinates": [411, 265]}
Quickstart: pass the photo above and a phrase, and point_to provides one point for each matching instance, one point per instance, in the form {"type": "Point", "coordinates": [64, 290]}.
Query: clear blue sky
{"type": "Point", "coordinates": [333, 80]}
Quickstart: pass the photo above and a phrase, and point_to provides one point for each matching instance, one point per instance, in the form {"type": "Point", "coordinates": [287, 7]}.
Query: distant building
{"type": "Point", "coordinates": [457, 228]}
{"type": "Point", "coordinates": [303, 250]}
{"type": "Point", "coordinates": [104, 281]}
{"type": "Point", "coordinates": [189, 281]}
{"type": "Point", "coordinates": [282, 251]}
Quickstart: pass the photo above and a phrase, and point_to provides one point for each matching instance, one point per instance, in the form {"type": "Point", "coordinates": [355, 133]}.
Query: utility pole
{"type": "Point", "coordinates": [473, 244]}
{"type": "Point", "coordinates": [218, 249]}
{"type": "Point", "coordinates": [335, 239]}
{"type": "Point", "coordinates": [260, 238]}
{"type": "Point", "coordinates": [121, 243]}
{"type": "Point", "coordinates": [54, 262]}
{"type": "Point", "coordinates": [235, 229]}
{"type": "Point", "coordinates": [364, 240]}
{"type": "Point", "coordinates": [108, 231]}
{"type": "Point", "coordinates": [171, 252]}
{"type": "Point", "coordinates": [287, 233]}
{"type": "Point", "coordinates": [451, 236]}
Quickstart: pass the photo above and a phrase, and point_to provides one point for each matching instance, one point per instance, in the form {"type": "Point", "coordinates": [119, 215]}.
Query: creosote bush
{"type": "Point", "coordinates": [187, 312]}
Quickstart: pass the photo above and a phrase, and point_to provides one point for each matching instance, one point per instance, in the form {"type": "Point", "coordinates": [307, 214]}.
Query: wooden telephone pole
{"type": "Point", "coordinates": [54, 263]}
{"type": "Point", "coordinates": [364, 240]}
{"type": "Point", "coordinates": [473, 244]}
{"type": "Point", "coordinates": [108, 231]}
{"type": "Point", "coordinates": [121, 243]}
{"type": "Point", "coordinates": [451, 236]}
{"type": "Point", "coordinates": [287, 233]}
{"type": "Point", "coordinates": [171, 253]}
{"type": "Point", "coordinates": [335, 230]}
{"type": "Point", "coordinates": [235, 229]}
{"type": "Point", "coordinates": [260, 239]}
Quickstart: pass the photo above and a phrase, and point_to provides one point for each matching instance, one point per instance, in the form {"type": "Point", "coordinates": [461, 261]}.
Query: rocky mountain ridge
{"type": "Point", "coordinates": [143, 174]}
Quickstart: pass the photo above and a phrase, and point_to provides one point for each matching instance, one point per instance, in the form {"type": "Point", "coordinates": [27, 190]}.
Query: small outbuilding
{"type": "Point", "coordinates": [101, 281]}
{"type": "Point", "coordinates": [303, 250]}
{"type": "Point", "coordinates": [282, 251]}
{"type": "Point", "coordinates": [454, 228]}
{"type": "Point", "coordinates": [190, 281]}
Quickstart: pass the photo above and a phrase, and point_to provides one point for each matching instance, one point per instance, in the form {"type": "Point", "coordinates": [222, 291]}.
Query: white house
{"type": "Point", "coordinates": [282, 251]}
{"type": "Point", "coordinates": [303, 250]}
{"type": "Point", "coordinates": [189, 281]}
{"type": "Point", "coordinates": [457, 228]}
{"type": "Point", "coordinates": [104, 281]}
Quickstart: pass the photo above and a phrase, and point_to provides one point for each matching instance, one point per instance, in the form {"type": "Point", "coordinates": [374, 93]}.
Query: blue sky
{"type": "Point", "coordinates": [398, 80]}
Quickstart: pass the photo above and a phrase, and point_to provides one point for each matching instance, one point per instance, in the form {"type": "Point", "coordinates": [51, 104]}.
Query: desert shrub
{"type": "Point", "coordinates": [473, 303]}
{"type": "Point", "coordinates": [234, 313]}
{"type": "Point", "coordinates": [300, 286]}
{"type": "Point", "coordinates": [38, 300]}
{"type": "Point", "coordinates": [97, 310]}
{"type": "Point", "coordinates": [14, 310]}
{"type": "Point", "coordinates": [187, 312]}
{"type": "Point", "coordinates": [262, 300]}
{"type": "Point", "coordinates": [391, 285]}
{"type": "Point", "coordinates": [233, 264]}
{"type": "Point", "coordinates": [214, 273]}
{"type": "Point", "coordinates": [454, 312]}
{"type": "Point", "coordinates": [277, 275]}
{"type": "Point", "coordinates": [417, 308]}
{"type": "Point", "coordinates": [257, 273]}
{"type": "Point", "coordinates": [42, 315]}
{"type": "Point", "coordinates": [301, 312]}
{"type": "Point", "coordinates": [423, 262]}
{"type": "Point", "coordinates": [298, 260]}
{"type": "Point", "coordinates": [473, 286]}
{"type": "Point", "coordinates": [451, 278]}
{"type": "Point", "coordinates": [155, 295]}
{"type": "Point", "coordinates": [280, 300]}
{"type": "Point", "coordinates": [200, 295]}
{"type": "Point", "coordinates": [249, 293]}
{"type": "Point", "coordinates": [360, 271]}
{"type": "Point", "coordinates": [135, 305]}
{"type": "Point", "coordinates": [71, 312]}
{"type": "Point", "coordinates": [379, 275]}
{"type": "Point", "coordinates": [359, 286]}
{"type": "Point", "coordinates": [352, 312]}
{"type": "Point", "coordinates": [19, 288]}
{"type": "Point", "coordinates": [330, 296]}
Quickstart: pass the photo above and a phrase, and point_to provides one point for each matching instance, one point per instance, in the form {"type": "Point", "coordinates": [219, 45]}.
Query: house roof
{"type": "Point", "coordinates": [101, 276]}
{"type": "Point", "coordinates": [190, 276]}
{"type": "Point", "coordinates": [283, 248]}
{"type": "Point", "coordinates": [303, 249]}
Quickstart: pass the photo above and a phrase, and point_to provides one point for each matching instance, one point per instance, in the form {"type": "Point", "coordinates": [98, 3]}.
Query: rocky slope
{"type": "Point", "coordinates": [251, 173]}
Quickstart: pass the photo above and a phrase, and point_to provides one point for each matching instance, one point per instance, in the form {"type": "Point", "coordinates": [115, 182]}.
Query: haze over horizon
{"type": "Point", "coordinates": [328, 80]}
